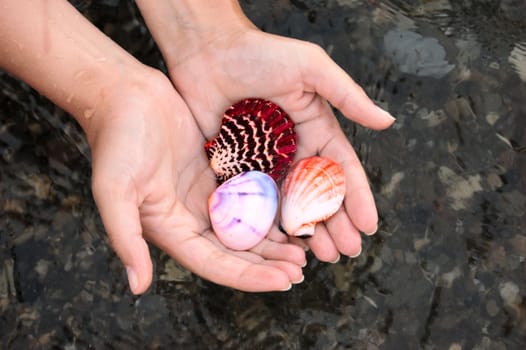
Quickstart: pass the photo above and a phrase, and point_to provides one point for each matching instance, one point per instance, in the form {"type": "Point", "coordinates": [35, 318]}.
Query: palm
{"type": "Point", "coordinates": [151, 180]}
{"type": "Point", "coordinates": [251, 63]}
{"type": "Point", "coordinates": [234, 70]}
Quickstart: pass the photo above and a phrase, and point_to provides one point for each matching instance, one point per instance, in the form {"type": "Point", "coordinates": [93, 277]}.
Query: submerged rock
{"type": "Point", "coordinates": [415, 54]}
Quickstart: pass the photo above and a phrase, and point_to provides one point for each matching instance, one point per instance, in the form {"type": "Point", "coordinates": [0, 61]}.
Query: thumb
{"type": "Point", "coordinates": [336, 86]}
{"type": "Point", "coordinates": [120, 214]}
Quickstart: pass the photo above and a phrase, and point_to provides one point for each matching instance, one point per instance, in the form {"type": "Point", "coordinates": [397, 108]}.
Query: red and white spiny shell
{"type": "Point", "coordinates": [255, 134]}
{"type": "Point", "coordinates": [312, 192]}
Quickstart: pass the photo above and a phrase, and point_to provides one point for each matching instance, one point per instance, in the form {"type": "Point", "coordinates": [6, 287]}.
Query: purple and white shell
{"type": "Point", "coordinates": [242, 209]}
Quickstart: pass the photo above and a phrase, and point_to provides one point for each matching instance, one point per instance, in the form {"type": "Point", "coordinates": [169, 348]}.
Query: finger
{"type": "Point", "coordinates": [300, 242]}
{"type": "Point", "coordinates": [359, 200]}
{"type": "Point", "coordinates": [268, 250]}
{"type": "Point", "coordinates": [322, 245]}
{"type": "Point", "coordinates": [294, 271]}
{"type": "Point", "coordinates": [331, 142]}
{"type": "Point", "coordinates": [225, 268]}
{"type": "Point", "coordinates": [317, 127]}
{"type": "Point", "coordinates": [271, 250]}
{"type": "Point", "coordinates": [120, 216]}
{"type": "Point", "coordinates": [207, 258]}
{"type": "Point", "coordinates": [314, 134]}
{"type": "Point", "coordinates": [276, 235]}
{"type": "Point", "coordinates": [345, 236]}
{"type": "Point", "coordinates": [335, 85]}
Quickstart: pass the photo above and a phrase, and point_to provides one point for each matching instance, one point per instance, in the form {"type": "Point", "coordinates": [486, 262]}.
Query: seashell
{"type": "Point", "coordinates": [243, 209]}
{"type": "Point", "coordinates": [255, 134]}
{"type": "Point", "coordinates": [312, 192]}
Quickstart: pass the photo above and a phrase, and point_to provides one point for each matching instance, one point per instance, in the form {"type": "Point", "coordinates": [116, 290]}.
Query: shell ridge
{"type": "Point", "coordinates": [313, 191]}
{"type": "Point", "coordinates": [280, 126]}
{"type": "Point", "coordinates": [324, 178]}
{"type": "Point", "coordinates": [255, 134]}
{"type": "Point", "coordinates": [291, 208]}
{"type": "Point", "coordinates": [267, 158]}
{"type": "Point", "coordinates": [306, 179]}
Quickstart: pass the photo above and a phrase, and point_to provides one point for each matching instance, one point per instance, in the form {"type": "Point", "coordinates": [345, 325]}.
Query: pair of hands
{"type": "Point", "coordinates": [151, 178]}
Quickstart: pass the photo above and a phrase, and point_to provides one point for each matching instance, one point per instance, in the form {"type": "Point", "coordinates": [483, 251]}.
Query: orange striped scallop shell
{"type": "Point", "coordinates": [312, 192]}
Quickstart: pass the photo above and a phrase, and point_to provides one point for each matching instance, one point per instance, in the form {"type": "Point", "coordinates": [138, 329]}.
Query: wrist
{"type": "Point", "coordinates": [114, 90]}
{"type": "Point", "coordinates": [72, 63]}
{"type": "Point", "coordinates": [184, 27]}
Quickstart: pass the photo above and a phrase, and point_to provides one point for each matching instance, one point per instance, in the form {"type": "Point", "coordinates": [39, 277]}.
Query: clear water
{"type": "Point", "coordinates": [445, 271]}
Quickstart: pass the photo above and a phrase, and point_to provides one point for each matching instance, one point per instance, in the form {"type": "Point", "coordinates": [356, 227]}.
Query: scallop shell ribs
{"type": "Point", "coordinates": [255, 134]}
{"type": "Point", "coordinates": [312, 192]}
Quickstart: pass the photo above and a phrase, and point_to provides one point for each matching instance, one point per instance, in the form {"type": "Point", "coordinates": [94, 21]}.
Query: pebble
{"type": "Point", "coordinates": [459, 189]}
{"type": "Point", "coordinates": [518, 245]}
{"type": "Point", "coordinates": [449, 277]}
{"type": "Point", "coordinates": [509, 292]}
{"type": "Point", "coordinates": [41, 185]}
{"type": "Point", "coordinates": [514, 203]}
{"type": "Point", "coordinates": [11, 205]}
{"type": "Point", "coordinates": [410, 258]}
{"type": "Point", "coordinates": [7, 280]}
{"type": "Point", "coordinates": [420, 243]}
{"type": "Point", "coordinates": [517, 59]}
{"type": "Point", "coordinates": [455, 346]}
{"type": "Point", "coordinates": [341, 280]}
{"type": "Point", "coordinates": [492, 308]}
{"type": "Point", "coordinates": [387, 254]}
{"type": "Point", "coordinates": [492, 117]}
{"type": "Point", "coordinates": [376, 265]}
{"type": "Point", "coordinates": [497, 257]}
{"type": "Point", "coordinates": [389, 188]}
{"type": "Point", "coordinates": [433, 118]}
{"type": "Point", "coordinates": [494, 65]}
{"type": "Point", "coordinates": [4, 288]}
{"type": "Point", "coordinates": [175, 273]}
{"type": "Point", "coordinates": [494, 181]}
{"type": "Point", "coordinates": [42, 268]}
{"type": "Point", "coordinates": [416, 54]}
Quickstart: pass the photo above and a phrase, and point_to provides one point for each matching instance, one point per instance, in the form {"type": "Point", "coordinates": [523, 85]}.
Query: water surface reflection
{"type": "Point", "coordinates": [445, 271]}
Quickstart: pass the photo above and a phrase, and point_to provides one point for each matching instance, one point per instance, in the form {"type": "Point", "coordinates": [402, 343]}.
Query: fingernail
{"type": "Point", "coordinates": [132, 279]}
{"type": "Point", "coordinates": [357, 254]}
{"type": "Point", "coordinates": [387, 114]}
{"type": "Point", "coordinates": [372, 233]}
{"type": "Point", "coordinates": [288, 288]}
{"type": "Point", "coordinates": [336, 260]}
{"type": "Point", "coordinates": [304, 264]}
{"type": "Point", "coordinates": [300, 280]}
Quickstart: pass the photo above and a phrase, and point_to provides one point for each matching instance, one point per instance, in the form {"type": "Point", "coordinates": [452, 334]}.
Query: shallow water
{"type": "Point", "coordinates": [445, 271]}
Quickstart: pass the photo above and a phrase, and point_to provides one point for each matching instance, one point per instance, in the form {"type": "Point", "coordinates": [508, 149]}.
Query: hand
{"type": "Point", "coordinates": [151, 181]}
{"type": "Point", "coordinates": [241, 61]}
{"type": "Point", "coordinates": [150, 175]}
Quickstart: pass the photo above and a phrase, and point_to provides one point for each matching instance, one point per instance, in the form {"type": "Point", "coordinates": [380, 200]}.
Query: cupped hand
{"type": "Point", "coordinates": [243, 61]}
{"type": "Point", "coordinates": [151, 182]}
